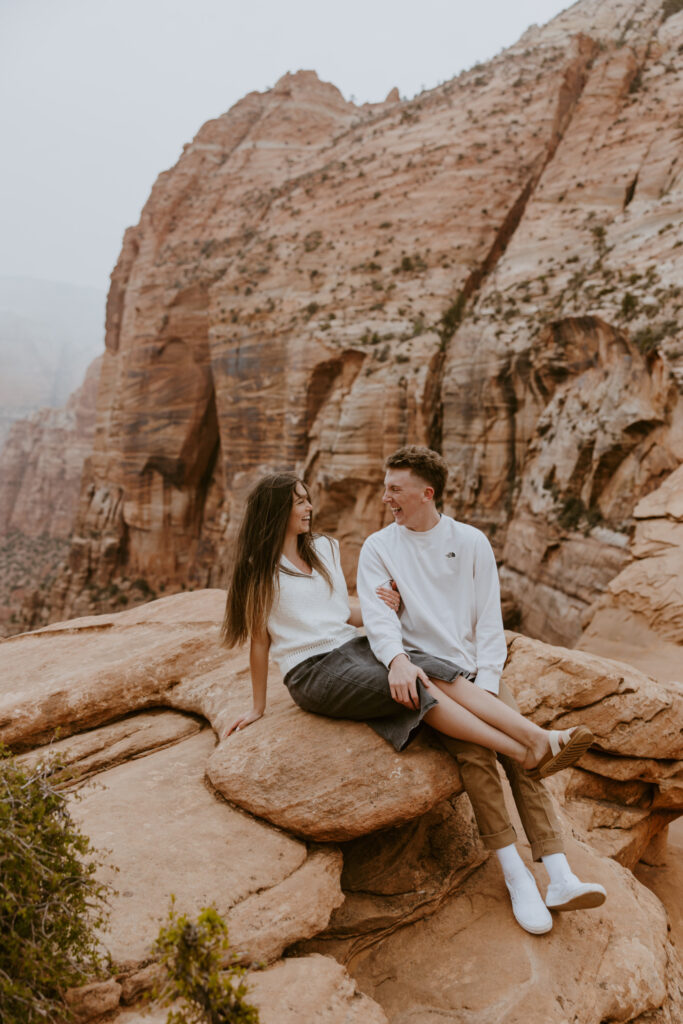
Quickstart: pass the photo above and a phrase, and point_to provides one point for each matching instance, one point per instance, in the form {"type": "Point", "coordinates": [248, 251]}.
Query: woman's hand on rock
{"type": "Point", "coordinates": [243, 721]}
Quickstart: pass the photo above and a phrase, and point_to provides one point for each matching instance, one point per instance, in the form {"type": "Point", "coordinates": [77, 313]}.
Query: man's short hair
{"type": "Point", "coordinates": [425, 463]}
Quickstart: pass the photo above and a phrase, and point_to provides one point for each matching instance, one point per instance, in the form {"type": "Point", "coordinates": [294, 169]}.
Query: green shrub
{"type": "Point", "coordinates": [629, 305]}
{"type": "Point", "coordinates": [143, 586]}
{"type": "Point", "coordinates": [573, 512]}
{"type": "Point", "coordinates": [193, 955]}
{"type": "Point", "coordinates": [649, 338]}
{"type": "Point", "coordinates": [312, 240]}
{"type": "Point", "coordinates": [450, 319]}
{"type": "Point", "coordinates": [670, 7]}
{"type": "Point", "coordinates": [50, 901]}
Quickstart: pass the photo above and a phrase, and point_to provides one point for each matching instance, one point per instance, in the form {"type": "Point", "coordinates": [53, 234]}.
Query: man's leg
{"type": "Point", "coordinates": [479, 773]}
{"type": "Point", "coordinates": [566, 891]}
{"type": "Point", "coordinates": [532, 800]}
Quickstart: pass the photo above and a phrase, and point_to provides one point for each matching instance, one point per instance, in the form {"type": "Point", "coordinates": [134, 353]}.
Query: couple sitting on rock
{"type": "Point", "coordinates": [434, 653]}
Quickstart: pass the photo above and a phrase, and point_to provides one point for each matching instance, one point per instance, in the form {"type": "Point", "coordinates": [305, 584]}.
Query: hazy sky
{"type": "Point", "coordinates": [99, 96]}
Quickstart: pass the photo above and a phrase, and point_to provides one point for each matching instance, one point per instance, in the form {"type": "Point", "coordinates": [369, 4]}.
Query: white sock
{"type": "Point", "coordinates": [557, 866]}
{"type": "Point", "coordinates": [512, 864]}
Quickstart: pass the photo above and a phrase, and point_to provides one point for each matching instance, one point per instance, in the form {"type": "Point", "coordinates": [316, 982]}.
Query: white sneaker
{"type": "Point", "coordinates": [529, 909]}
{"type": "Point", "coordinates": [575, 895]}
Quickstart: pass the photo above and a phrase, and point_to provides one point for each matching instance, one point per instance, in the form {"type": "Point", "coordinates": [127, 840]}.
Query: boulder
{"type": "Point", "coordinates": [167, 834]}
{"type": "Point", "coordinates": [313, 989]}
{"type": "Point", "coordinates": [629, 786]}
{"type": "Point", "coordinates": [224, 823]}
{"type": "Point", "coordinates": [470, 962]}
{"type": "Point", "coordinates": [631, 714]}
{"type": "Point", "coordinates": [95, 750]}
{"type": "Point", "coordinates": [76, 675]}
{"type": "Point", "coordinates": [330, 780]}
{"type": "Point", "coordinates": [316, 777]}
{"type": "Point", "coordinates": [94, 1000]}
{"type": "Point", "coordinates": [400, 875]}
{"type": "Point", "coordinates": [640, 616]}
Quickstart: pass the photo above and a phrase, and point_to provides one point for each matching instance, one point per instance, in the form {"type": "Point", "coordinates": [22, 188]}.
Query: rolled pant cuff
{"type": "Point", "coordinates": [497, 840]}
{"type": "Point", "coordinates": [543, 847]}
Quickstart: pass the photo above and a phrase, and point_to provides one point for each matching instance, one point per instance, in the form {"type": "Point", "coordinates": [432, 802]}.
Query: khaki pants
{"type": "Point", "coordinates": [479, 772]}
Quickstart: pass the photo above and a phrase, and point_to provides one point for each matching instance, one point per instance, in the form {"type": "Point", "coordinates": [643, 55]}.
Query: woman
{"type": "Point", "coordinates": [288, 596]}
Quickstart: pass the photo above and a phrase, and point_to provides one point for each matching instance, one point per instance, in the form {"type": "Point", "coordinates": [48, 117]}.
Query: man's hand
{"type": "Point", "coordinates": [402, 681]}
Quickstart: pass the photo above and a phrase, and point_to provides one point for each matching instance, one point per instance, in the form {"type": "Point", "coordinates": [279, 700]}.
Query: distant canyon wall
{"type": "Point", "coordinates": [41, 464]}
{"type": "Point", "coordinates": [493, 268]}
{"type": "Point", "coordinates": [49, 333]}
{"type": "Point", "coordinates": [42, 461]}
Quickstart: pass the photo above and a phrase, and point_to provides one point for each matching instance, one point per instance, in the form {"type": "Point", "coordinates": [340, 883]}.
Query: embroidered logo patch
{"type": "Point", "coordinates": [450, 554]}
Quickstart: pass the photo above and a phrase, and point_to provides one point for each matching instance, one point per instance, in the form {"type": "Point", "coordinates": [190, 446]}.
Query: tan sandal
{"type": "Point", "coordinates": [566, 747]}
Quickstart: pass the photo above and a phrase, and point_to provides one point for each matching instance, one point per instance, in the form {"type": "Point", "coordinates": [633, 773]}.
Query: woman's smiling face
{"type": "Point", "coordinates": [300, 516]}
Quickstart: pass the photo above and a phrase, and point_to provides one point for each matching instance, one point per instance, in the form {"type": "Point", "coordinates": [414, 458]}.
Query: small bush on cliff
{"type": "Point", "coordinates": [629, 305]}
{"type": "Point", "coordinates": [50, 901]}
{"type": "Point", "coordinates": [193, 955]}
{"type": "Point", "coordinates": [648, 339]}
{"type": "Point", "coordinates": [670, 7]}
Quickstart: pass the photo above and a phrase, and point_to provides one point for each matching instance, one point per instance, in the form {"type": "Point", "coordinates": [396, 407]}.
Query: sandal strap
{"type": "Point", "coordinates": [558, 738]}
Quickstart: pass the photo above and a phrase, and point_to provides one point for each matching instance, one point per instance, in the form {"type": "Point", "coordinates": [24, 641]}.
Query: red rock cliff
{"type": "Point", "coordinates": [492, 268]}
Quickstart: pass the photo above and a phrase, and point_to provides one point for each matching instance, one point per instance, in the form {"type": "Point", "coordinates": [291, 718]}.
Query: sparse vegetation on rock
{"type": "Point", "coordinates": [51, 903]}
{"type": "Point", "coordinates": [670, 7]}
{"type": "Point", "coordinates": [195, 955]}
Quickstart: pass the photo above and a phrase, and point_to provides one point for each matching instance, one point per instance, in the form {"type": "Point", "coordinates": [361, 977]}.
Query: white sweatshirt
{"type": "Point", "coordinates": [307, 619]}
{"type": "Point", "coordinates": [448, 581]}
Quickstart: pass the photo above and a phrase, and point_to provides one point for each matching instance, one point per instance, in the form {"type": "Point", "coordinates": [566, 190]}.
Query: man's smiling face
{"type": "Point", "coordinates": [408, 497]}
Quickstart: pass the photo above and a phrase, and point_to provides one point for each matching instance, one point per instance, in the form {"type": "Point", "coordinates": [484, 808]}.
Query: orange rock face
{"type": "Point", "coordinates": [492, 268]}
{"type": "Point", "coordinates": [42, 461]}
{"type": "Point", "coordinates": [41, 465]}
{"type": "Point", "coordinates": [640, 616]}
{"type": "Point", "coordinates": [344, 847]}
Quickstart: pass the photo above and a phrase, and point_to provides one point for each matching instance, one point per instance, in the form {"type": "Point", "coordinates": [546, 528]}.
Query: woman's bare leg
{"type": "Point", "coordinates": [453, 719]}
{"type": "Point", "coordinates": [494, 712]}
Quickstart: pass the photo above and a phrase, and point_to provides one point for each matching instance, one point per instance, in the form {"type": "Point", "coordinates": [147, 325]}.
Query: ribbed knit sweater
{"type": "Point", "coordinates": [307, 618]}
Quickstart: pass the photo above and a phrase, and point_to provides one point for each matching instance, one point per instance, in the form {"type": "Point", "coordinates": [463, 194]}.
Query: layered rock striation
{"type": "Point", "coordinates": [492, 268]}
{"type": "Point", "coordinates": [41, 465]}
{"type": "Point", "coordinates": [42, 461]}
{"type": "Point", "coordinates": [640, 616]}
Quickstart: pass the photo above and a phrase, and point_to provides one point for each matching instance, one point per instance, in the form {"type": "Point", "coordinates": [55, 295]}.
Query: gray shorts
{"type": "Point", "coordinates": [350, 682]}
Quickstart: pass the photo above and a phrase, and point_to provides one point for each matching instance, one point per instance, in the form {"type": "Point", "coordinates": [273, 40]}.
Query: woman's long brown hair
{"type": "Point", "coordinates": [259, 547]}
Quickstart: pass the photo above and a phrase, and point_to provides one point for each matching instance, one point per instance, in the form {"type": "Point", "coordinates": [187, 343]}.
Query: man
{"type": "Point", "coordinates": [448, 580]}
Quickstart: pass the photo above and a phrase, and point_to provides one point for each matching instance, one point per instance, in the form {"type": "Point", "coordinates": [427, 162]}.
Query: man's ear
{"type": "Point", "coordinates": [428, 493]}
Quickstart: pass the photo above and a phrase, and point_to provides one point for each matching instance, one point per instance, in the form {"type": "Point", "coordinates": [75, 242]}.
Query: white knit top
{"type": "Point", "coordinates": [307, 618]}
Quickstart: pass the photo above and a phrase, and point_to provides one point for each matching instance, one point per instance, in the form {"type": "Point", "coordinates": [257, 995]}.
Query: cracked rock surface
{"type": "Point", "coordinates": [320, 872]}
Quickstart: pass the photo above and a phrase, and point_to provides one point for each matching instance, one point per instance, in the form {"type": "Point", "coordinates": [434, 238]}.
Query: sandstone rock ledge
{"type": "Point", "coordinates": [335, 861]}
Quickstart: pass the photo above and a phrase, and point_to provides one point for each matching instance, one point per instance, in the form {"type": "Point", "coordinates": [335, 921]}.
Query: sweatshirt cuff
{"type": "Point", "coordinates": [387, 652]}
{"type": "Point", "coordinates": [488, 679]}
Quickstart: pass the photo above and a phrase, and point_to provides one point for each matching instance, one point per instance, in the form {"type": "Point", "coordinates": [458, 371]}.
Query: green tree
{"type": "Point", "coordinates": [194, 955]}
{"type": "Point", "coordinates": [50, 900]}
